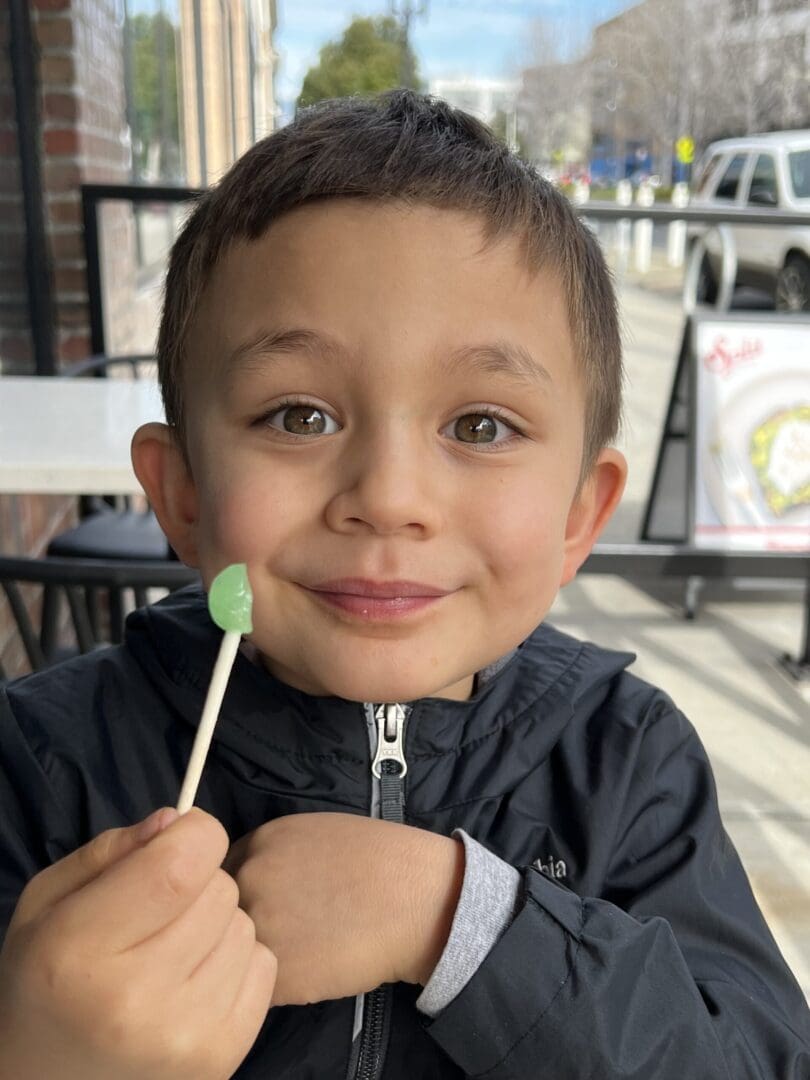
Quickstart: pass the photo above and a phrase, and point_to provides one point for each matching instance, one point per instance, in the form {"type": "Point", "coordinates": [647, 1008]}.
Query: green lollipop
{"type": "Point", "coordinates": [230, 600]}
{"type": "Point", "coordinates": [230, 603]}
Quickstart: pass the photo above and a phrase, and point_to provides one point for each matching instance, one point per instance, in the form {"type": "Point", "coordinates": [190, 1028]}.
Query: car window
{"type": "Point", "coordinates": [799, 167]}
{"type": "Point", "coordinates": [708, 173]}
{"type": "Point", "coordinates": [730, 180]}
{"type": "Point", "coordinates": [763, 190]}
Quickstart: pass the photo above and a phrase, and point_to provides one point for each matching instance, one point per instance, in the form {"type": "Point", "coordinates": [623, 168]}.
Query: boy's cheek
{"type": "Point", "coordinates": [236, 525]}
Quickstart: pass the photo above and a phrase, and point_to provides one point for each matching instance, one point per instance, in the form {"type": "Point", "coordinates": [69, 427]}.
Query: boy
{"type": "Point", "coordinates": [463, 846]}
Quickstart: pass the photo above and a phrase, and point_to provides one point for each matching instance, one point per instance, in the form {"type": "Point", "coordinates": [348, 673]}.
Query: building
{"type": "Point", "coordinates": [554, 115]}
{"type": "Point", "coordinates": [631, 57]}
{"type": "Point", "coordinates": [77, 84]}
{"type": "Point", "coordinates": [667, 68]}
{"type": "Point", "coordinates": [227, 86]}
{"type": "Point", "coordinates": [487, 99]}
{"type": "Point", "coordinates": [766, 49]}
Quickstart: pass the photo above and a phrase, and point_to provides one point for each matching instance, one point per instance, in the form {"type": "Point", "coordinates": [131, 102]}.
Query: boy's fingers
{"type": "Point", "coordinates": [135, 897]}
{"type": "Point", "coordinates": [87, 863]}
{"type": "Point", "coordinates": [189, 940]}
{"type": "Point", "coordinates": [254, 997]}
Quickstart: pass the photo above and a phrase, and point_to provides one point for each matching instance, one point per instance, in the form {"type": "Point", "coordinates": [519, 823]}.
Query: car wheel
{"type": "Point", "coordinates": [707, 283]}
{"type": "Point", "coordinates": [793, 285]}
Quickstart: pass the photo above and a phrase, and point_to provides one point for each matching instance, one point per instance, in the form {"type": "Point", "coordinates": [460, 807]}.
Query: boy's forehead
{"type": "Point", "coordinates": [328, 275]}
{"type": "Point", "coordinates": [361, 233]}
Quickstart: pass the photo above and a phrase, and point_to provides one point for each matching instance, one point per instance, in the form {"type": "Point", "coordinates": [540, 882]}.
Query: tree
{"type": "Point", "coordinates": [666, 68]}
{"type": "Point", "coordinates": [153, 110]}
{"type": "Point", "coordinates": [372, 56]}
{"type": "Point", "coordinates": [554, 105]}
{"type": "Point", "coordinates": [502, 126]}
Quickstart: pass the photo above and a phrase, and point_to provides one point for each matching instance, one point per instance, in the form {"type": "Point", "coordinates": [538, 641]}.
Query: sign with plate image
{"type": "Point", "coordinates": [751, 450]}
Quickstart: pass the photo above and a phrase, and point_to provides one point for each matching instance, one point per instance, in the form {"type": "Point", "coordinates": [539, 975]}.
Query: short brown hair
{"type": "Point", "coordinates": [402, 147]}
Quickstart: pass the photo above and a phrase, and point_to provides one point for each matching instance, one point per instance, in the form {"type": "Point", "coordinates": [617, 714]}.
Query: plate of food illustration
{"type": "Point", "coordinates": [756, 460]}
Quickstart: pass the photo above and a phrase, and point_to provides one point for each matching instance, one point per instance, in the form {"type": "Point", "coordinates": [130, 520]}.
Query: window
{"type": "Point", "coordinates": [730, 180]}
{"type": "Point", "coordinates": [151, 61]}
{"type": "Point", "coordinates": [708, 173]}
{"type": "Point", "coordinates": [799, 167]}
{"type": "Point", "coordinates": [764, 191]}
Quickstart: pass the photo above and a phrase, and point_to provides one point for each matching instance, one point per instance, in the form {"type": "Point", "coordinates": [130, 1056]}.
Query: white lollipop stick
{"type": "Point", "coordinates": [205, 732]}
{"type": "Point", "coordinates": [230, 602]}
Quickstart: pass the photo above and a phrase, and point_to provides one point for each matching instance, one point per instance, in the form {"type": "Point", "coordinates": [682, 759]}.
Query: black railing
{"type": "Point", "coordinates": [92, 195]}
{"type": "Point", "coordinates": [610, 211]}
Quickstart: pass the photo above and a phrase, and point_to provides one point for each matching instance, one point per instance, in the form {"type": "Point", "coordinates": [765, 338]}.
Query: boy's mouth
{"type": "Point", "coordinates": [377, 600]}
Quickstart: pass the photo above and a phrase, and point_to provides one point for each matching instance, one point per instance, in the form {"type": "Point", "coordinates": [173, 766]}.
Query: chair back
{"type": "Point", "coordinates": [100, 365]}
{"type": "Point", "coordinates": [30, 583]}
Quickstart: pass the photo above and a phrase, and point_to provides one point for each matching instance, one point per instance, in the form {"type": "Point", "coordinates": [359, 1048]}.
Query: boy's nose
{"type": "Point", "coordinates": [385, 488]}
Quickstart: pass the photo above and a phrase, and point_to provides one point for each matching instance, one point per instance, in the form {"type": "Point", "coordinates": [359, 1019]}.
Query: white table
{"type": "Point", "coordinates": [72, 436]}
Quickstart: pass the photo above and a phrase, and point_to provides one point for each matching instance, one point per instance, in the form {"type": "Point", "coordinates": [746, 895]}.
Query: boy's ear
{"type": "Point", "coordinates": [164, 474]}
{"type": "Point", "coordinates": [592, 509]}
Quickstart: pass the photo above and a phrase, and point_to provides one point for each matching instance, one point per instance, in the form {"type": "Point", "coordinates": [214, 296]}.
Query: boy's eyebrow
{"type": "Point", "coordinates": [492, 358]}
{"type": "Point", "coordinates": [500, 358]}
{"type": "Point", "coordinates": [276, 342]}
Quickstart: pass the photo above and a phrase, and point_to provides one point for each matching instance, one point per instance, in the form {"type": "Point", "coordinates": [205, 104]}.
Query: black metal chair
{"type": "Point", "coordinates": [77, 580]}
{"type": "Point", "coordinates": [109, 527]}
{"type": "Point", "coordinates": [101, 364]}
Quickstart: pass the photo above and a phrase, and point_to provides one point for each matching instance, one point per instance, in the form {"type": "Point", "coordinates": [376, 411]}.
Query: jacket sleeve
{"type": "Point", "coordinates": [670, 973]}
{"type": "Point", "coordinates": [485, 908]}
{"type": "Point", "coordinates": [33, 825]}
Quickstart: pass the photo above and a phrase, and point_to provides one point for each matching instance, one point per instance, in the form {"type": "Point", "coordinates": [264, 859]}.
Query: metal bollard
{"type": "Point", "coordinates": [676, 243]}
{"type": "Point", "coordinates": [676, 233]}
{"type": "Point", "coordinates": [642, 245]}
{"type": "Point", "coordinates": [643, 231]}
{"type": "Point", "coordinates": [624, 196]}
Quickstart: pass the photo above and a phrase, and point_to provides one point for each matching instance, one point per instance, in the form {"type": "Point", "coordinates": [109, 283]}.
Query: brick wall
{"type": "Point", "coordinates": [15, 339]}
{"type": "Point", "coordinates": [83, 138]}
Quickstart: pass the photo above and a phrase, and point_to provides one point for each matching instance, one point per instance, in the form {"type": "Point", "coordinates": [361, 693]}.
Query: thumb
{"type": "Point", "coordinates": [87, 863]}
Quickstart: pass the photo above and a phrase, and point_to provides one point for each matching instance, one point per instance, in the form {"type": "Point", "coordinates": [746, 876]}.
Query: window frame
{"type": "Point", "coordinates": [745, 169]}
{"type": "Point", "coordinates": [755, 156]}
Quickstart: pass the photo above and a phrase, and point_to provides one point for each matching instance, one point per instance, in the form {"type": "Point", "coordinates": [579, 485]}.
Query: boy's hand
{"type": "Point", "coordinates": [131, 959]}
{"type": "Point", "coordinates": [347, 902]}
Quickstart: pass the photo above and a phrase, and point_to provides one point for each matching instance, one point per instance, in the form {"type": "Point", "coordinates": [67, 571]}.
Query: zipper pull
{"type": "Point", "coordinates": [390, 727]}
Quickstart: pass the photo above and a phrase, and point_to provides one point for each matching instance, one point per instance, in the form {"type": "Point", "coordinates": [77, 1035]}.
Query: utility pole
{"type": "Point", "coordinates": [405, 11]}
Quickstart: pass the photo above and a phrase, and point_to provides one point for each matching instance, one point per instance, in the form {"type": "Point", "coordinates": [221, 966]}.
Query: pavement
{"type": "Point", "coordinates": [721, 668]}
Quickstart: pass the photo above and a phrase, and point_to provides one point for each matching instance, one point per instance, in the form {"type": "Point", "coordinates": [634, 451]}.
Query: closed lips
{"type": "Point", "coordinates": [380, 590]}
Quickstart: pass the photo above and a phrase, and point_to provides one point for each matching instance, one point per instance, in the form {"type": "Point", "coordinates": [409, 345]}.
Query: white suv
{"type": "Point", "coordinates": [756, 172]}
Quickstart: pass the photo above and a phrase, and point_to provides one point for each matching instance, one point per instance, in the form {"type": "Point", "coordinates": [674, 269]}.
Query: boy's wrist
{"type": "Point", "coordinates": [436, 888]}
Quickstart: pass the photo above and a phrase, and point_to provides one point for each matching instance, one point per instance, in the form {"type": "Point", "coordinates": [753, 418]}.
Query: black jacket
{"type": "Point", "coordinates": [648, 959]}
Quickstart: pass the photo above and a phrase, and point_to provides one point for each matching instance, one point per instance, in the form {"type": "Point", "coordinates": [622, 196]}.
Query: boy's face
{"type": "Point", "coordinates": [373, 400]}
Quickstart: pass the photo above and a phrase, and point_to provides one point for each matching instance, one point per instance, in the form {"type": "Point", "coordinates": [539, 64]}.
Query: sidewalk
{"type": "Point", "coordinates": [720, 669]}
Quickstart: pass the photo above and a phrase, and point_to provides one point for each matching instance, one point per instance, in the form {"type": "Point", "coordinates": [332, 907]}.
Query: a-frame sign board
{"type": "Point", "coordinates": [666, 516]}
{"type": "Point", "coordinates": [670, 510]}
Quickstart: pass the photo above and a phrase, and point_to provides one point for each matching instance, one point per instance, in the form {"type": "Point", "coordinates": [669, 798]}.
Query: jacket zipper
{"type": "Point", "coordinates": [388, 769]}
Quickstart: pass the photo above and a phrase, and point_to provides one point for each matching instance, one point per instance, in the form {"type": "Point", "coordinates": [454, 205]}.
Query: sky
{"type": "Point", "coordinates": [477, 38]}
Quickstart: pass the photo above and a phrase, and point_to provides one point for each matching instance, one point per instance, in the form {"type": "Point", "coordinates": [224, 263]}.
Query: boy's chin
{"type": "Point", "coordinates": [378, 687]}
{"type": "Point", "coordinates": [386, 691]}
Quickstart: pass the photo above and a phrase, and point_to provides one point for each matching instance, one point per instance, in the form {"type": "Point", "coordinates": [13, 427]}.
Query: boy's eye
{"type": "Point", "coordinates": [481, 428]}
{"type": "Point", "coordinates": [302, 420]}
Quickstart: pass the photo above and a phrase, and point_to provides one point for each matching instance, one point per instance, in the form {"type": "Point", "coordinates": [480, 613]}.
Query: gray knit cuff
{"type": "Point", "coordinates": [486, 907]}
